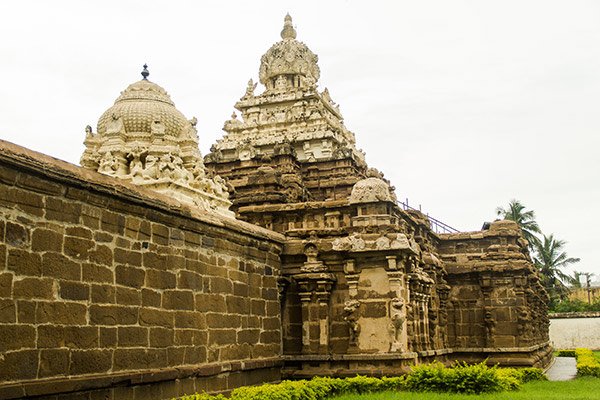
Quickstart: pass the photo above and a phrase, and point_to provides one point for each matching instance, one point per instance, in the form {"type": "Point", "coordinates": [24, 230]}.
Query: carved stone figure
{"type": "Point", "coordinates": [109, 164]}
{"type": "Point", "coordinates": [398, 318]}
{"type": "Point", "coordinates": [351, 317]}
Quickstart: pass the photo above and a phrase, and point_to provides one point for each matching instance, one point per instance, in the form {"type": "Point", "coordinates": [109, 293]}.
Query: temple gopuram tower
{"type": "Point", "coordinates": [366, 286]}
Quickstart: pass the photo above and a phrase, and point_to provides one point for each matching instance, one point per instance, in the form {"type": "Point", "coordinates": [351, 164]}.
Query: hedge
{"type": "Point", "coordinates": [587, 363]}
{"type": "Point", "coordinates": [461, 378]}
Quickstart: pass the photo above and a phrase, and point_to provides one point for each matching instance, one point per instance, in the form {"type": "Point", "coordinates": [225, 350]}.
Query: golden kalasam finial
{"type": "Point", "coordinates": [288, 31]}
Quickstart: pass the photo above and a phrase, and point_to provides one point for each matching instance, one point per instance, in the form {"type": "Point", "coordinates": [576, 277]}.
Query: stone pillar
{"type": "Point", "coordinates": [443, 292]}
{"type": "Point", "coordinates": [489, 322]}
{"type": "Point", "coordinates": [314, 291]}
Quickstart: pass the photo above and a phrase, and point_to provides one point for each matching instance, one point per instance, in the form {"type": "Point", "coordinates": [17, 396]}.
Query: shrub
{"type": "Point", "coordinates": [532, 374]}
{"type": "Point", "coordinates": [434, 377]}
{"type": "Point", "coordinates": [203, 396]}
{"type": "Point", "coordinates": [462, 378]}
{"type": "Point", "coordinates": [587, 364]}
{"type": "Point", "coordinates": [566, 353]}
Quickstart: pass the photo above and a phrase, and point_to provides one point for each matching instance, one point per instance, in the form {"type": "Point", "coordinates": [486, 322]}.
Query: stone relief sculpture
{"type": "Point", "coordinates": [490, 326]}
{"type": "Point", "coordinates": [398, 318]}
{"type": "Point", "coordinates": [350, 316]}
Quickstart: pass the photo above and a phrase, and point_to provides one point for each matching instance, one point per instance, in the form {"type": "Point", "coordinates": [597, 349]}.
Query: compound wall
{"type": "Point", "coordinates": [113, 291]}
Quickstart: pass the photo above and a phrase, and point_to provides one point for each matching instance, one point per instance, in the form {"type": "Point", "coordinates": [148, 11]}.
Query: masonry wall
{"type": "Point", "coordinates": [116, 292]}
{"type": "Point", "coordinates": [497, 306]}
{"type": "Point", "coordinates": [573, 330]}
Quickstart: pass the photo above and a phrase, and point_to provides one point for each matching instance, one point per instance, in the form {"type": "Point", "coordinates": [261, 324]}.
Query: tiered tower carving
{"type": "Point", "coordinates": [365, 284]}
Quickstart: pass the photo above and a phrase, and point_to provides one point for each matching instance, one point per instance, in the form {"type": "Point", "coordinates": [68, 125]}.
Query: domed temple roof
{"type": "Point", "coordinates": [141, 105]}
{"type": "Point", "coordinates": [144, 139]}
{"type": "Point", "coordinates": [289, 57]}
{"type": "Point", "coordinates": [371, 190]}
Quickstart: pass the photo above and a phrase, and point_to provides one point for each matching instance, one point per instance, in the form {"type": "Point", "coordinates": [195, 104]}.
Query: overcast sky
{"type": "Point", "coordinates": [463, 105]}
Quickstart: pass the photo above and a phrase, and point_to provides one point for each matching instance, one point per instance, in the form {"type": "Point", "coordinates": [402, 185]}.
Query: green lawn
{"type": "Point", "coordinates": [578, 389]}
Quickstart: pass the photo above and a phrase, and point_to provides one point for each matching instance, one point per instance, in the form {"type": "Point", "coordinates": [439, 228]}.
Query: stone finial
{"type": "Point", "coordinates": [288, 31]}
{"type": "Point", "coordinates": [145, 72]}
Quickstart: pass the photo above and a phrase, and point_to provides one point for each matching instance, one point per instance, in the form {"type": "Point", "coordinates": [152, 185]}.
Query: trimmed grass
{"type": "Point", "coordinates": [578, 389]}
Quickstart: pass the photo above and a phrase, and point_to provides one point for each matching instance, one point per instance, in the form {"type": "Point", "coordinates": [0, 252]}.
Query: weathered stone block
{"type": "Point", "coordinates": [151, 298]}
{"type": "Point", "coordinates": [250, 336]}
{"type": "Point", "coordinates": [97, 273]}
{"type": "Point", "coordinates": [270, 337]}
{"type": "Point", "coordinates": [17, 365]}
{"type": "Point", "coordinates": [210, 302]}
{"type": "Point", "coordinates": [61, 210]}
{"type": "Point", "coordinates": [189, 280]}
{"type": "Point", "coordinates": [192, 319]}
{"type": "Point", "coordinates": [79, 231]}
{"type": "Point", "coordinates": [178, 299]}
{"type": "Point", "coordinates": [34, 288]}
{"type": "Point", "coordinates": [258, 306]}
{"type": "Point", "coordinates": [64, 313]}
{"type": "Point", "coordinates": [160, 279]}
{"type": "Point", "coordinates": [26, 311]}
{"type": "Point", "coordinates": [129, 276]}
{"type": "Point", "coordinates": [154, 317]}
{"type": "Point", "coordinates": [175, 262]}
{"type": "Point", "coordinates": [108, 337]}
{"type": "Point", "coordinates": [129, 257]}
{"type": "Point", "coordinates": [46, 240]}
{"type": "Point", "coordinates": [113, 315]}
{"type": "Point", "coordinates": [6, 284]}
{"type": "Point", "coordinates": [112, 222]}
{"type": "Point", "coordinates": [16, 235]}
{"type": "Point", "coordinates": [195, 355]}
{"type": "Point", "coordinates": [132, 336]}
{"type": "Point", "coordinates": [103, 294]}
{"type": "Point", "coordinates": [373, 309]}
{"type": "Point", "coordinates": [161, 337]}
{"type": "Point", "coordinates": [236, 352]}
{"type": "Point", "coordinates": [31, 203]}
{"type": "Point", "coordinates": [154, 261]}
{"type": "Point", "coordinates": [160, 234]}
{"type": "Point", "coordinates": [74, 290]}
{"type": "Point", "coordinates": [101, 255]}
{"type": "Point", "coordinates": [222, 337]}
{"type": "Point", "coordinates": [23, 262]}
{"type": "Point", "coordinates": [58, 266]}
{"type": "Point", "coordinates": [129, 296]}
{"type": "Point", "coordinates": [15, 337]}
{"type": "Point", "coordinates": [53, 362]}
{"type": "Point", "coordinates": [237, 304]}
{"type": "Point", "coordinates": [131, 359]}
{"type": "Point", "coordinates": [8, 311]}
{"type": "Point", "coordinates": [184, 337]}
{"type": "Point", "coordinates": [90, 361]}
{"type": "Point", "coordinates": [214, 320]}
{"type": "Point", "coordinates": [77, 248]}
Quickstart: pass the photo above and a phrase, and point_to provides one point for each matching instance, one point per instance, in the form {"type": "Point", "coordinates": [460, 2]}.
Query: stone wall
{"type": "Point", "coordinates": [573, 330]}
{"type": "Point", "coordinates": [497, 306]}
{"type": "Point", "coordinates": [110, 288]}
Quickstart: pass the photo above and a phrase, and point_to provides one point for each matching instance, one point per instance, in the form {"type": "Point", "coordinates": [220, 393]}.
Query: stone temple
{"type": "Point", "coordinates": [151, 272]}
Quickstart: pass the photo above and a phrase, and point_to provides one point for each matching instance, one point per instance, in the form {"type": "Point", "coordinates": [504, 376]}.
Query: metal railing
{"type": "Point", "coordinates": [435, 224]}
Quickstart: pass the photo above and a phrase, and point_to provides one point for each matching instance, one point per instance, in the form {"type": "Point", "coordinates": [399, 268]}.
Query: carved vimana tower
{"type": "Point", "coordinates": [144, 139]}
{"type": "Point", "coordinates": [294, 132]}
{"type": "Point", "coordinates": [366, 286]}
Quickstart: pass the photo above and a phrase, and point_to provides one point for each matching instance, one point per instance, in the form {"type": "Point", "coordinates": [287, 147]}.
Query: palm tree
{"type": "Point", "coordinates": [525, 219]}
{"type": "Point", "coordinates": [550, 259]}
